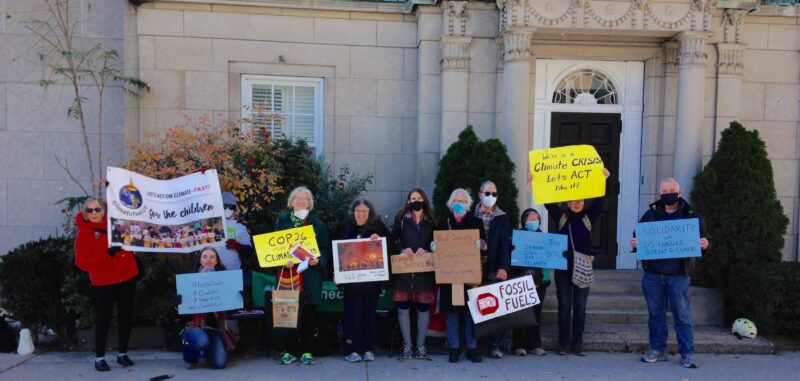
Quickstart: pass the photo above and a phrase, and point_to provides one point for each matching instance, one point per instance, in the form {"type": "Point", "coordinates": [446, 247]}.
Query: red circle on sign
{"type": "Point", "coordinates": [487, 303]}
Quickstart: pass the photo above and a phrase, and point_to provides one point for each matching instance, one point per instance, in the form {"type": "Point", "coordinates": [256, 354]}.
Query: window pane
{"type": "Point", "coordinates": [282, 99]}
{"type": "Point", "coordinates": [304, 100]}
{"type": "Point", "coordinates": [304, 128]}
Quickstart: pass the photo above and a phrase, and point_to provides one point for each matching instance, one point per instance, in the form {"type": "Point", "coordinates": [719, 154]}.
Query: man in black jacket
{"type": "Point", "coordinates": [668, 279]}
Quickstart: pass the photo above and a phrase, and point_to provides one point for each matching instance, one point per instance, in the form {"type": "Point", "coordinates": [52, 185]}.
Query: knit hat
{"type": "Point", "coordinates": [228, 199]}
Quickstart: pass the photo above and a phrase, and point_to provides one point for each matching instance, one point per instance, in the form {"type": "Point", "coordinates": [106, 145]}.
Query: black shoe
{"type": "Point", "coordinates": [474, 356]}
{"type": "Point", "coordinates": [454, 353]}
{"type": "Point", "coordinates": [101, 366]}
{"type": "Point", "coordinates": [124, 360]}
{"type": "Point", "coordinates": [577, 349]}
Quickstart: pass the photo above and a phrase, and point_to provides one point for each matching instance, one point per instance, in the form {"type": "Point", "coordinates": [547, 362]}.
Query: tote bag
{"type": "Point", "coordinates": [582, 271]}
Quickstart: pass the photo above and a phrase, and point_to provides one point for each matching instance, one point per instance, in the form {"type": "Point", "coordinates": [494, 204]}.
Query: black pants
{"type": "Point", "coordinates": [571, 311]}
{"type": "Point", "coordinates": [530, 337]}
{"type": "Point", "coordinates": [105, 296]}
{"type": "Point", "coordinates": [300, 340]}
{"type": "Point", "coordinates": [359, 321]}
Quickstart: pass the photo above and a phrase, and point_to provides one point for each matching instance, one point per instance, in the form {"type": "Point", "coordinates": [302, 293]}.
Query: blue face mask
{"type": "Point", "coordinates": [460, 209]}
{"type": "Point", "coordinates": [532, 226]}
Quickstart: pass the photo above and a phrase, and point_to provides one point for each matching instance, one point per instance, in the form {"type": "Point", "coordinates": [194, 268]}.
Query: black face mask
{"type": "Point", "coordinates": [417, 205]}
{"type": "Point", "coordinates": [669, 198]}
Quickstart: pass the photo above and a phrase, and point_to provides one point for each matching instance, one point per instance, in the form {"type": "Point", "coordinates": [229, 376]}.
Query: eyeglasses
{"type": "Point", "coordinates": [94, 210]}
{"type": "Point", "coordinates": [487, 194]}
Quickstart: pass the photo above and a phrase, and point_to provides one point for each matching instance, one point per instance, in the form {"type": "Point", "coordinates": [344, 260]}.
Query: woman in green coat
{"type": "Point", "coordinates": [301, 203]}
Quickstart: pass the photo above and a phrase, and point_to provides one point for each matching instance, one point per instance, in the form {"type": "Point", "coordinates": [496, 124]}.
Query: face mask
{"type": "Point", "coordinates": [228, 214]}
{"type": "Point", "coordinates": [460, 209]}
{"type": "Point", "coordinates": [301, 214]}
{"type": "Point", "coordinates": [532, 226]}
{"type": "Point", "coordinates": [417, 205]}
{"type": "Point", "coordinates": [489, 201]}
{"type": "Point", "coordinates": [669, 198]}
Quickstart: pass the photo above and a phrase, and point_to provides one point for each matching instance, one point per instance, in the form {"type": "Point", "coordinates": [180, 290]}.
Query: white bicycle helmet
{"type": "Point", "coordinates": [744, 328]}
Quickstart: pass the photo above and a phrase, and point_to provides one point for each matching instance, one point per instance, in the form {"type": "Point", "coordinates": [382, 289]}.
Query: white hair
{"type": "Point", "coordinates": [669, 180]}
{"type": "Point", "coordinates": [296, 191]}
{"type": "Point", "coordinates": [456, 193]}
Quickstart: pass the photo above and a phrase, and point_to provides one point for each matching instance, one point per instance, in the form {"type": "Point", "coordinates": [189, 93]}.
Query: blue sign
{"type": "Point", "coordinates": [209, 292]}
{"type": "Point", "coordinates": [542, 250]}
{"type": "Point", "coordinates": [668, 239]}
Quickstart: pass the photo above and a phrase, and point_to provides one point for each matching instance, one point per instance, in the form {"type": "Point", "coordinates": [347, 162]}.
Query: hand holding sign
{"type": "Point", "coordinates": [274, 249]}
{"type": "Point", "coordinates": [567, 173]}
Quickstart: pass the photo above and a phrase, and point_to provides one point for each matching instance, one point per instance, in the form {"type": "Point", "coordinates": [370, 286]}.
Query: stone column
{"type": "Point", "coordinates": [455, 88]}
{"type": "Point", "coordinates": [729, 84]}
{"type": "Point", "coordinates": [691, 106]}
{"type": "Point", "coordinates": [514, 131]}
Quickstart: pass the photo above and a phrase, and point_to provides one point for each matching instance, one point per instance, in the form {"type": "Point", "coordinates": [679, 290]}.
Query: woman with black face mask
{"type": "Point", "coordinates": [412, 234]}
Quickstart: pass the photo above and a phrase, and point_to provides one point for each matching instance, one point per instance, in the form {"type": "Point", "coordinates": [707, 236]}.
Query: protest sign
{"type": "Point", "coordinates": [179, 215]}
{"type": "Point", "coordinates": [668, 239]}
{"type": "Point", "coordinates": [566, 173]}
{"type": "Point", "coordinates": [285, 308]}
{"type": "Point", "coordinates": [498, 299]}
{"type": "Point", "coordinates": [360, 260]}
{"type": "Point", "coordinates": [542, 250]}
{"type": "Point", "coordinates": [412, 263]}
{"type": "Point", "coordinates": [275, 249]}
{"type": "Point", "coordinates": [457, 259]}
{"type": "Point", "coordinates": [209, 292]}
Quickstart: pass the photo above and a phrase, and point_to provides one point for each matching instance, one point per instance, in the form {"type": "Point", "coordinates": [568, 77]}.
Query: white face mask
{"type": "Point", "coordinates": [228, 214]}
{"type": "Point", "coordinates": [489, 201]}
{"type": "Point", "coordinates": [301, 214]}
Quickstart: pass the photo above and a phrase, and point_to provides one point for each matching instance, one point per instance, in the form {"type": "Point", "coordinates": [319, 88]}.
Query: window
{"type": "Point", "coordinates": [586, 87]}
{"type": "Point", "coordinates": [289, 108]}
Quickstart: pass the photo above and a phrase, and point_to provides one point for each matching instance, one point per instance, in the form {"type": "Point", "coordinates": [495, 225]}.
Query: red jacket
{"type": "Point", "coordinates": [91, 255]}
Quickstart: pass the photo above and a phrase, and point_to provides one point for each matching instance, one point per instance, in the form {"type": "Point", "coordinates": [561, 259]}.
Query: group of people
{"type": "Point", "coordinates": [113, 270]}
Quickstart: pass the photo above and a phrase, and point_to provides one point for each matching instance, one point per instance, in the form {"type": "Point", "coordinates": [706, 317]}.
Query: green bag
{"type": "Point", "coordinates": [333, 298]}
{"type": "Point", "coordinates": [262, 282]}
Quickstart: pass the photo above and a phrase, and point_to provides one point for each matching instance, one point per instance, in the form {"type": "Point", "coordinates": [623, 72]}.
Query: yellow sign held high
{"type": "Point", "coordinates": [276, 248]}
{"type": "Point", "coordinates": [566, 173]}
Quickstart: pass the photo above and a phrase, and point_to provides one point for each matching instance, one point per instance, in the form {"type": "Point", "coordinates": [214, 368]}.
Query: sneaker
{"type": "Point", "coordinates": [577, 349]}
{"type": "Point", "coordinates": [473, 355]}
{"type": "Point", "coordinates": [369, 356]}
{"type": "Point", "coordinates": [353, 357]}
{"type": "Point", "coordinates": [124, 360]}
{"type": "Point", "coordinates": [421, 354]}
{"type": "Point", "coordinates": [287, 358]}
{"type": "Point", "coordinates": [308, 359]}
{"type": "Point", "coordinates": [407, 353]}
{"type": "Point", "coordinates": [521, 352]}
{"type": "Point", "coordinates": [562, 350]}
{"type": "Point", "coordinates": [101, 366]}
{"type": "Point", "coordinates": [496, 353]}
{"type": "Point", "coordinates": [539, 351]}
{"type": "Point", "coordinates": [688, 361]}
{"type": "Point", "coordinates": [652, 356]}
{"type": "Point", "coordinates": [454, 354]}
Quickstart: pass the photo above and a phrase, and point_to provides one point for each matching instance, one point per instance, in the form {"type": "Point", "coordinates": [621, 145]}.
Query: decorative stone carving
{"type": "Point", "coordinates": [455, 53]}
{"type": "Point", "coordinates": [693, 48]}
{"type": "Point", "coordinates": [671, 53]}
{"type": "Point", "coordinates": [456, 17]}
{"type": "Point", "coordinates": [730, 59]}
{"type": "Point", "coordinates": [517, 44]}
{"type": "Point", "coordinates": [732, 24]}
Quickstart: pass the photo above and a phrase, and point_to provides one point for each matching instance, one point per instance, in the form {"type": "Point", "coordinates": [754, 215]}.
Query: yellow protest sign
{"type": "Point", "coordinates": [566, 173]}
{"type": "Point", "coordinates": [275, 249]}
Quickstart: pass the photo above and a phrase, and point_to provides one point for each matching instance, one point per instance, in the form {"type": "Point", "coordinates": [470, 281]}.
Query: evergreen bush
{"type": "Point", "coordinates": [467, 163]}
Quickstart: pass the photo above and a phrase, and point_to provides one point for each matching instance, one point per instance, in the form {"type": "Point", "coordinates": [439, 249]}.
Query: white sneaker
{"type": "Point", "coordinates": [369, 356]}
{"type": "Point", "coordinates": [353, 357]}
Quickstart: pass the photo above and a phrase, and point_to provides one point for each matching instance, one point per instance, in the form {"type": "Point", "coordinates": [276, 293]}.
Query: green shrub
{"type": "Point", "coordinates": [769, 295]}
{"type": "Point", "coordinates": [467, 163]}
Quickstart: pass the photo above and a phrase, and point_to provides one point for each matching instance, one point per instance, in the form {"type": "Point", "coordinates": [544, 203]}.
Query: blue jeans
{"type": "Point", "coordinates": [571, 309]}
{"type": "Point", "coordinates": [658, 289]}
{"type": "Point", "coordinates": [453, 331]}
{"type": "Point", "coordinates": [197, 340]}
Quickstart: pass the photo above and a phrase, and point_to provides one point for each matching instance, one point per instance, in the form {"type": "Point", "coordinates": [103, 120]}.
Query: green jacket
{"type": "Point", "coordinates": [313, 276]}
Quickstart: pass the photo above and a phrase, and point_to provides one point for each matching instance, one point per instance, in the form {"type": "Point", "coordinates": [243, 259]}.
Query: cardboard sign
{"type": "Point", "coordinates": [668, 239]}
{"type": "Point", "coordinates": [457, 259]}
{"type": "Point", "coordinates": [209, 292]}
{"type": "Point", "coordinates": [412, 263]}
{"type": "Point", "coordinates": [542, 250]}
{"type": "Point", "coordinates": [566, 173]}
{"type": "Point", "coordinates": [275, 249]}
{"type": "Point", "coordinates": [285, 308]}
{"type": "Point", "coordinates": [360, 260]}
{"type": "Point", "coordinates": [499, 299]}
{"type": "Point", "coordinates": [180, 215]}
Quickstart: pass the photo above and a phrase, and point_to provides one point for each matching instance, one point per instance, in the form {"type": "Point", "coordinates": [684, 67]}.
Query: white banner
{"type": "Point", "coordinates": [179, 215]}
{"type": "Point", "coordinates": [498, 299]}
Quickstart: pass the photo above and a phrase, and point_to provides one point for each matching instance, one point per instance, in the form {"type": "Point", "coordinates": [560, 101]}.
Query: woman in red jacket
{"type": "Point", "coordinates": [111, 271]}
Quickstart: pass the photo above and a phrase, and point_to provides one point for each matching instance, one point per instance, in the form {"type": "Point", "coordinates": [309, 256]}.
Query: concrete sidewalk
{"type": "Point", "coordinates": [57, 366]}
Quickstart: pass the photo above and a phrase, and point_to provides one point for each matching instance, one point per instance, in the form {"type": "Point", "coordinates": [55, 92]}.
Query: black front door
{"type": "Point", "coordinates": [601, 131]}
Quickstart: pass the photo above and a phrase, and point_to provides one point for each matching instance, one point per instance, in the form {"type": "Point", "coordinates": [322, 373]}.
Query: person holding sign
{"type": "Point", "coordinates": [112, 272]}
{"type": "Point", "coordinates": [460, 219]}
{"type": "Point", "coordinates": [207, 333]}
{"type": "Point", "coordinates": [238, 243]}
{"type": "Point", "coordinates": [528, 339]}
{"type": "Point", "coordinates": [360, 299]}
{"type": "Point", "coordinates": [412, 234]}
{"type": "Point", "coordinates": [575, 222]}
{"type": "Point", "coordinates": [668, 280]}
{"type": "Point", "coordinates": [301, 202]}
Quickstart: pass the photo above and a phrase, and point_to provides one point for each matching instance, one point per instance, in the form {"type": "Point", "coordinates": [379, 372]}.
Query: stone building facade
{"type": "Point", "coordinates": [386, 86]}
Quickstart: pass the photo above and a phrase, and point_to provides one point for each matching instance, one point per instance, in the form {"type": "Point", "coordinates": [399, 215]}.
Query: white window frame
{"type": "Point", "coordinates": [248, 80]}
